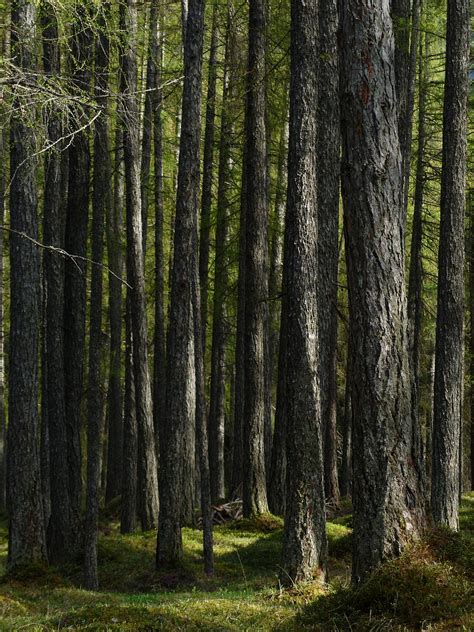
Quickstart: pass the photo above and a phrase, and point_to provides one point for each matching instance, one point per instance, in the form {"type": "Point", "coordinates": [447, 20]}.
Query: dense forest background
{"type": "Point", "coordinates": [236, 287]}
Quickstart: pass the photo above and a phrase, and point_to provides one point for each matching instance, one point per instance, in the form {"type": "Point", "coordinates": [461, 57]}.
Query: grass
{"type": "Point", "coordinates": [429, 586]}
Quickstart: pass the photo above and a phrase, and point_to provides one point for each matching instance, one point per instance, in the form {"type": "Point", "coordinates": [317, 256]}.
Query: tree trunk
{"type": "Point", "coordinates": [59, 531]}
{"type": "Point", "coordinates": [207, 173]}
{"type": "Point", "coordinates": [256, 269]}
{"type": "Point", "coordinates": [147, 464]}
{"type": "Point", "coordinates": [304, 542]}
{"type": "Point", "coordinates": [180, 377]}
{"type": "Point", "coordinates": [346, 458]}
{"type": "Point", "coordinates": [75, 272]}
{"type": "Point", "coordinates": [450, 319]}
{"type": "Point", "coordinates": [415, 280]}
{"type": "Point", "coordinates": [101, 204]}
{"type": "Point", "coordinates": [387, 502]}
{"type": "Point", "coordinates": [328, 143]}
{"type": "Point", "coordinates": [3, 416]}
{"type": "Point", "coordinates": [128, 514]}
{"type": "Point", "coordinates": [114, 228]}
{"type": "Point", "coordinates": [26, 540]}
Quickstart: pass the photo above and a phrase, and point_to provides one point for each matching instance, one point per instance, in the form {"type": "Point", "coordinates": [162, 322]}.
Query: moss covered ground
{"type": "Point", "coordinates": [430, 587]}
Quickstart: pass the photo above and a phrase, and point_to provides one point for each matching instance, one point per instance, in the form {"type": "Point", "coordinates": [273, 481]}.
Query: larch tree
{"type": "Point", "coordinates": [27, 540]}
{"type": "Point", "coordinates": [304, 542]}
{"type": "Point", "coordinates": [147, 489]}
{"type": "Point", "coordinates": [449, 365]}
{"type": "Point", "coordinates": [387, 502]}
{"type": "Point", "coordinates": [256, 264]}
{"type": "Point", "coordinates": [180, 410]}
{"type": "Point", "coordinates": [328, 144]}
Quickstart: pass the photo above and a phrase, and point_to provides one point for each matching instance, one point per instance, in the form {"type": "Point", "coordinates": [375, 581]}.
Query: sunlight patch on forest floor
{"type": "Point", "coordinates": [244, 593]}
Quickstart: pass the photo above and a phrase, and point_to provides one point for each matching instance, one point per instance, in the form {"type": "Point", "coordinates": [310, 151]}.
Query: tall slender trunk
{"type": "Point", "coordinates": [304, 543]}
{"type": "Point", "coordinates": [159, 335]}
{"type": "Point", "coordinates": [256, 272]}
{"type": "Point", "coordinates": [345, 479]}
{"type": "Point", "coordinates": [239, 397]}
{"type": "Point", "coordinates": [114, 228]}
{"type": "Point", "coordinates": [3, 416]}
{"type": "Point", "coordinates": [387, 501]}
{"type": "Point", "coordinates": [328, 143]}
{"type": "Point", "coordinates": [128, 513]}
{"type": "Point", "coordinates": [101, 205]}
{"type": "Point", "coordinates": [59, 532]}
{"type": "Point", "coordinates": [471, 333]}
{"type": "Point", "coordinates": [181, 370]}
{"type": "Point", "coordinates": [26, 538]}
{"type": "Point", "coordinates": [75, 272]}
{"type": "Point", "coordinates": [207, 177]}
{"type": "Point", "coordinates": [219, 326]}
{"type": "Point", "coordinates": [415, 280]}
{"type": "Point", "coordinates": [147, 465]}
{"type": "Point", "coordinates": [450, 320]}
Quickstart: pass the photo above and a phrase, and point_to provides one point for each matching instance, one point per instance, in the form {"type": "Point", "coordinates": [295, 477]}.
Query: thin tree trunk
{"type": "Point", "coordinates": [256, 269]}
{"type": "Point", "coordinates": [3, 416]}
{"type": "Point", "coordinates": [450, 320]}
{"type": "Point", "coordinates": [181, 371]}
{"type": "Point", "coordinates": [387, 502]}
{"type": "Point", "coordinates": [328, 144]}
{"type": "Point", "coordinates": [471, 333]}
{"type": "Point", "coordinates": [59, 531]}
{"type": "Point", "coordinates": [114, 228]}
{"type": "Point", "coordinates": [147, 464]}
{"type": "Point", "coordinates": [415, 281]}
{"type": "Point", "coordinates": [101, 205]}
{"type": "Point", "coordinates": [346, 458]}
{"type": "Point", "coordinates": [26, 538]}
{"type": "Point", "coordinates": [75, 272]}
{"type": "Point", "coordinates": [207, 176]}
{"type": "Point", "coordinates": [128, 514]}
{"type": "Point", "coordinates": [304, 542]}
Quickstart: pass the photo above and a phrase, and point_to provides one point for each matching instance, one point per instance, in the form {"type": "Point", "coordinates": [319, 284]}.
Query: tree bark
{"type": "Point", "coordinates": [26, 540]}
{"type": "Point", "coordinates": [114, 229]}
{"type": "Point", "coordinates": [450, 320]}
{"type": "Point", "coordinates": [328, 143]}
{"type": "Point", "coordinates": [181, 371]}
{"type": "Point", "coordinates": [304, 543]}
{"type": "Point", "coordinates": [59, 531]}
{"type": "Point", "coordinates": [101, 204]}
{"type": "Point", "coordinates": [256, 269]}
{"type": "Point", "coordinates": [387, 502]}
{"type": "Point", "coordinates": [147, 464]}
{"type": "Point", "coordinates": [207, 176]}
{"type": "Point", "coordinates": [3, 416]}
{"type": "Point", "coordinates": [75, 272]}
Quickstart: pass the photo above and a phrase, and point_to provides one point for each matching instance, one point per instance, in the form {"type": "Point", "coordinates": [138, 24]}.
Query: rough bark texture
{"type": "Point", "coordinates": [304, 543]}
{"type": "Point", "coordinates": [147, 465]}
{"type": "Point", "coordinates": [207, 176]}
{"type": "Point", "coordinates": [415, 280]}
{"type": "Point", "coordinates": [59, 534]}
{"type": "Point", "coordinates": [3, 416]}
{"type": "Point", "coordinates": [101, 204]}
{"type": "Point", "coordinates": [386, 499]}
{"type": "Point", "coordinates": [450, 319]}
{"type": "Point", "coordinates": [27, 542]}
{"type": "Point", "coordinates": [256, 269]}
{"type": "Point", "coordinates": [128, 512]}
{"type": "Point", "coordinates": [114, 228]}
{"type": "Point", "coordinates": [328, 143]}
{"type": "Point", "coordinates": [180, 376]}
{"type": "Point", "coordinates": [219, 325]}
{"type": "Point", "coordinates": [75, 275]}
{"type": "Point", "coordinates": [159, 335]}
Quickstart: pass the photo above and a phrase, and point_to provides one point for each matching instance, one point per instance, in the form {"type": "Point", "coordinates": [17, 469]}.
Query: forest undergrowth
{"type": "Point", "coordinates": [429, 588]}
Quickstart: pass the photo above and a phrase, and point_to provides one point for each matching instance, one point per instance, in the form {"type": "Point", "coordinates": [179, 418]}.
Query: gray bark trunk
{"type": "Point", "coordinates": [26, 538]}
{"type": "Point", "coordinates": [147, 464]}
{"type": "Point", "coordinates": [450, 320]}
{"type": "Point", "coordinates": [181, 371]}
{"type": "Point", "coordinates": [387, 501]}
{"type": "Point", "coordinates": [328, 143]}
{"type": "Point", "coordinates": [304, 544]}
{"type": "Point", "coordinates": [256, 269]}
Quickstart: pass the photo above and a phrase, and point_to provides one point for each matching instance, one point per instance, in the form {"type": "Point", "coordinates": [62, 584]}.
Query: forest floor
{"type": "Point", "coordinates": [430, 587]}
